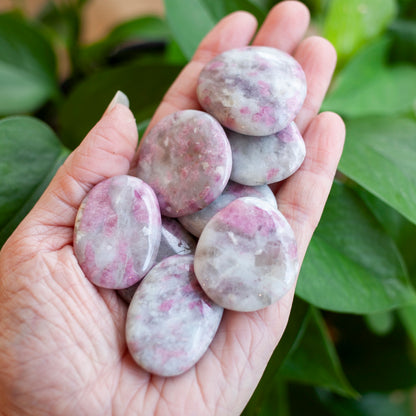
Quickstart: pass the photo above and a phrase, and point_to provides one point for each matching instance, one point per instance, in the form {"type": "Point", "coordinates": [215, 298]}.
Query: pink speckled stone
{"type": "Point", "coordinates": [186, 159]}
{"type": "Point", "coordinates": [197, 221]}
{"type": "Point", "coordinates": [170, 320]}
{"type": "Point", "coordinates": [266, 159]}
{"type": "Point", "coordinates": [246, 257]}
{"type": "Point", "coordinates": [255, 90]}
{"type": "Point", "coordinates": [117, 232]}
{"type": "Point", "coordinates": [175, 240]}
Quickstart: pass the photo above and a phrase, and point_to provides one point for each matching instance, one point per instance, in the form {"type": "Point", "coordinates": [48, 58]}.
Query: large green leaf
{"type": "Point", "coordinates": [350, 24]}
{"type": "Point", "coordinates": [189, 21]}
{"type": "Point", "coordinates": [367, 86]}
{"type": "Point", "coordinates": [380, 155]}
{"type": "Point", "coordinates": [27, 67]}
{"type": "Point", "coordinates": [399, 228]}
{"type": "Point", "coordinates": [144, 83]}
{"type": "Point", "coordinates": [352, 265]}
{"type": "Point", "coordinates": [264, 397]}
{"type": "Point", "coordinates": [314, 360]}
{"type": "Point", "coordinates": [30, 154]}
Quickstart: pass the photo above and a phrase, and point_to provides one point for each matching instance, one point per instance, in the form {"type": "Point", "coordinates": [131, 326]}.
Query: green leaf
{"type": "Point", "coordinates": [380, 154]}
{"type": "Point", "coordinates": [351, 24]}
{"type": "Point", "coordinates": [367, 86]}
{"type": "Point", "coordinates": [372, 362]}
{"type": "Point", "coordinates": [399, 228]}
{"type": "Point", "coordinates": [407, 316]}
{"type": "Point", "coordinates": [264, 395]}
{"type": "Point", "coordinates": [313, 358]}
{"type": "Point", "coordinates": [371, 404]}
{"type": "Point", "coordinates": [141, 29]}
{"type": "Point", "coordinates": [27, 67]}
{"type": "Point", "coordinates": [352, 265]}
{"type": "Point", "coordinates": [220, 9]}
{"type": "Point", "coordinates": [144, 83]}
{"type": "Point", "coordinates": [189, 21]}
{"type": "Point", "coordinates": [404, 40]}
{"type": "Point", "coordinates": [380, 323]}
{"type": "Point", "coordinates": [30, 154]}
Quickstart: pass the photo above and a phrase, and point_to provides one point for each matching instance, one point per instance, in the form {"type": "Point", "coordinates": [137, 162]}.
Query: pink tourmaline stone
{"type": "Point", "coordinates": [246, 257]}
{"type": "Point", "coordinates": [266, 159]}
{"type": "Point", "coordinates": [186, 159]}
{"type": "Point", "coordinates": [174, 240]}
{"type": "Point", "coordinates": [255, 90]}
{"type": "Point", "coordinates": [196, 222]}
{"type": "Point", "coordinates": [170, 321]}
{"type": "Point", "coordinates": [117, 232]}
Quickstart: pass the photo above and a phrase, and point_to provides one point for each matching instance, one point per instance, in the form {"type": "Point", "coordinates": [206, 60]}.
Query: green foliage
{"type": "Point", "coordinates": [352, 265]}
{"type": "Point", "coordinates": [349, 347]}
{"type": "Point", "coordinates": [27, 66]}
{"type": "Point", "coordinates": [30, 155]}
{"type": "Point", "coordinates": [351, 24]}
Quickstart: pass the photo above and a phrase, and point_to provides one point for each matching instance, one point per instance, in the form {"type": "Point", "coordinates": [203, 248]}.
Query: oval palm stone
{"type": "Point", "coordinates": [186, 159]}
{"type": "Point", "coordinates": [246, 257]}
{"type": "Point", "coordinates": [117, 232]}
{"type": "Point", "coordinates": [255, 90]}
{"type": "Point", "coordinates": [170, 321]}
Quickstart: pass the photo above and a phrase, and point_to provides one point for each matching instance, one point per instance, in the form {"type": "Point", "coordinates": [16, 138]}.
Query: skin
{"type": "Point", "coordinates": [62, 348]}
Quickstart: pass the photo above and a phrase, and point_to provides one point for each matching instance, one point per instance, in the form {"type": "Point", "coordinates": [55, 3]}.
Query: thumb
{"type": "Point", "coordinates": [106, 151]}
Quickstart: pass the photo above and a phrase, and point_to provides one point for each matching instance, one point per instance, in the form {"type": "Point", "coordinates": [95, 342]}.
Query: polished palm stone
{"type": "Point", "coordinates": [186, 159]}
{"type": "Point", "coordinates": [255, 90]}
{"type": "Point", "coordinates": [174, 240]}
{"type": "Point", "coordinates": [196, 222]}
{"type": "Point", "coordinates": [117, 232]}
{"type": "Point", "coordinates": [267, 159]}
{"type": "Point", "coordinates": [246, 257]}
{"type": "Point", "coordinates": [170, 320]}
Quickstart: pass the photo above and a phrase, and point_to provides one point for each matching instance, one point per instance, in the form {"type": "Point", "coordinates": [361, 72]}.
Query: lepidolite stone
{"type": "Point", "coordinates": [174, 240]}
{"type": "Point", "coordinates": [197, 221]}
{"type": "Point", "coordinates": [254, 90]}
{"type": "Point", "coordinates": [117, 232]}
{"type": "Point", "coordinates": [186, 159]}
{"type": "Point", "coordinates": [246, 257]}
{"type": "Point", "coordinates": [170, 320]}
{"type": "Point", "coordinates": [266, 159]}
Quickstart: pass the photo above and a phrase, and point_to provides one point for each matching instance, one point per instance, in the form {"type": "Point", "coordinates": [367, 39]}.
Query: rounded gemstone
{"type": "Point", "coordinates": [255, 90]}
{"type": "Point", "coordinates": [267, 159]}
{"type": "Point", "coordinates": [197, 221]}
{"type": "Point", "coordinates": [186, 159]}
{"type": "Point", "coordinates": [246, 257]}
{"type": "Point", "coordinates": [174, 240]}
{"type": "Point", "coordinates": [170, 321]}
{"type": "Point", "coordinates": [117, 232]}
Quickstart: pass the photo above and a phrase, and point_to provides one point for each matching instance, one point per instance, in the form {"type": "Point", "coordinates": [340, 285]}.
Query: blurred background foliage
{"type": "Point", "coordinates": [350, 345]}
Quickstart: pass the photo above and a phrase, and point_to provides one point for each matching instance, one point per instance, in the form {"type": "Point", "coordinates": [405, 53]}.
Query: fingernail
{"type": "Point", "coordinates": [119, 98]}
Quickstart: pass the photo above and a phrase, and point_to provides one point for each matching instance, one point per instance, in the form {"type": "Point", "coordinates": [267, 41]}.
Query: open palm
{"type": "Point", "coordinates": [62, 348]}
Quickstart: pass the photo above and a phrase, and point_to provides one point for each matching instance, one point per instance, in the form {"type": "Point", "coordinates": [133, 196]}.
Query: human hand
{"type": "Point", "coordinates": [62, 344]}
